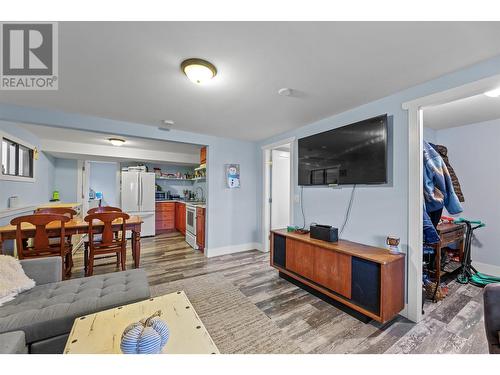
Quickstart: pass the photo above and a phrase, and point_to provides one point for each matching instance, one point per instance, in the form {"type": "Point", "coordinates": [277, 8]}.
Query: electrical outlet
{"type": "Point", "coordinates": [297, 198]}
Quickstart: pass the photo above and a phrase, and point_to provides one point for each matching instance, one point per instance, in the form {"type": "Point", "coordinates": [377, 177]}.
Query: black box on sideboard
{"type": "Point", "coordinates": [324, 232]}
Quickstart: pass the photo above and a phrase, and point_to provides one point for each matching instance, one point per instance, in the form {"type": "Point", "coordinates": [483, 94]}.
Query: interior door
{"type": "Point", "coordinates": [280, 189]}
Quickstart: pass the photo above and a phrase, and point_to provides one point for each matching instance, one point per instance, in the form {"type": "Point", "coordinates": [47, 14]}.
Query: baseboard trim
{"type": "Point", "coordinates": [218, 251]}
{"type": "Point", "coordinates": [488, 269]}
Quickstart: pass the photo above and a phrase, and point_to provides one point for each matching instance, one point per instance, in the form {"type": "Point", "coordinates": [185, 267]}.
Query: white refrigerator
{"type": "Point", "coordinates": [138, 198]}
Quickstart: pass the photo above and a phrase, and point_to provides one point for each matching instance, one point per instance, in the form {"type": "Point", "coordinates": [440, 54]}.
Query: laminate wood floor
{"type": "Point", "coordinates": [454, 325]}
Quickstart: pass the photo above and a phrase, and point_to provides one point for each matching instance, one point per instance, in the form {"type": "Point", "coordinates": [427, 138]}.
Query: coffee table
{"type": "Point", "coordinates": [101, 333]}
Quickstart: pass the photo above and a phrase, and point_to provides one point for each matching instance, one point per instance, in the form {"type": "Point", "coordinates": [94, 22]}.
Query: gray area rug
{"type": "Point", "coordinates": [234, 322]}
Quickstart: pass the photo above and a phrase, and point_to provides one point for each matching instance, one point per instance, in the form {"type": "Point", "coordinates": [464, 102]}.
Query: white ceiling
{"type": "Point", "coordinates": [91, 138]}
{"type": "Point", "coordinates": [130, 71]}
{"type": "Point", "coordinates": [470, 110]}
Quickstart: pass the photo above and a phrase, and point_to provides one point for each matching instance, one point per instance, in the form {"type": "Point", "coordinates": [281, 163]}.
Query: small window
{"type": "Point", "coordinates": [17, 159]}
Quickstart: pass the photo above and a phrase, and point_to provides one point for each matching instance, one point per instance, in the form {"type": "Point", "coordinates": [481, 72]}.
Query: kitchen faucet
{"type": "Point", "coordinates": [202, 193]}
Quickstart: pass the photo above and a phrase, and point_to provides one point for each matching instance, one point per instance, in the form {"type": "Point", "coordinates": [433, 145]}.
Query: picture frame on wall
{"type": "Point", "coordinates": [232, 176]}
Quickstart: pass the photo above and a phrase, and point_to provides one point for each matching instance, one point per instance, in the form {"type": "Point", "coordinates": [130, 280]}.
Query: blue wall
{"type": "Point", "coordinates": [30, 193]}
{"type": "Point", "coordinates": [377, 210]}
{"type": "Point", "coordinates": [233, 215]}
{"type": "Point", "coordinates": [473, 154]}
{"type": "Point", "coordinates": [66, 179]}
{"type": "Point", "coordinates": [429, 135]}
{"type": "Point", "coordinates": [103, 178]}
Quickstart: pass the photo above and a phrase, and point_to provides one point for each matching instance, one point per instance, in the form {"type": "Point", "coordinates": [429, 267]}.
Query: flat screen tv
{"type": "Point", "coordinates": [351, 154]}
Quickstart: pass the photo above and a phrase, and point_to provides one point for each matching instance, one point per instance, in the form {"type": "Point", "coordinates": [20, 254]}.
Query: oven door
{"type": "Point", "coordinates": [191, 220]}
{"type": "Point", "coordinates": [191, 240]}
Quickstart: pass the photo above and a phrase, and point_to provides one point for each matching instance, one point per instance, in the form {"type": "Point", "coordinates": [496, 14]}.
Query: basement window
{"type": "Point", "coordinates": [17, 160]}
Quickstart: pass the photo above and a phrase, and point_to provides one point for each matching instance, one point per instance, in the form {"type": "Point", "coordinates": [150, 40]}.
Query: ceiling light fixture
{"type": "Point", "coordinates": [166, 125]}
{"type": "Point", "coordinates": [116, 141]}
{"type": "Point", "coordinates": [493, 93]}
{"type": "Point", "coordinates": [285, 91]}
{"type": "Point", "coordinates": [198, 70]}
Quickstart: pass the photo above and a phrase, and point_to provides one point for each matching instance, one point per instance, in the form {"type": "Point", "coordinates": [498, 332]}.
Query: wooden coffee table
{"type": "Point", "coordinates": [101, 333]}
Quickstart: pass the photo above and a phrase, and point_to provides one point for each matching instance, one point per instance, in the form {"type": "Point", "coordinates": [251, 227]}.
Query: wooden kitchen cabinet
{"type": "Point", "coordinates": [180, 217]}
{"type": "Point", "coordinates": [203, 155]}
{"type": "Point", "coordinates": [165, 217]}
{"type": "Point", "coordinates": [200, 228]}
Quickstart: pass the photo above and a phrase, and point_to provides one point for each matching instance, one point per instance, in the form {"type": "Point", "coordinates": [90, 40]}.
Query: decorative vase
{"type": "Point", "coordinates": [147, 336]}
{"type": "Point", "coordinates": [393, 244]}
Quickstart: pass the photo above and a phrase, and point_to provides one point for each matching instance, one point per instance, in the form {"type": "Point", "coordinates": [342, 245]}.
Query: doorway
{"type": "Point", "coordinates": [280, 187]}
{"type": "Point", "coordinates": [278, 183]}
{"type": "Point", "coordinates": [415, 110]}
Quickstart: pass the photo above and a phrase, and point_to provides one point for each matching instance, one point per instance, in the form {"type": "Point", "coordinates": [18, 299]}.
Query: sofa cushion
{"type": "Point", "coordinates": [49, 310]}
{"type": "Point", "coordinates": [12, 343]}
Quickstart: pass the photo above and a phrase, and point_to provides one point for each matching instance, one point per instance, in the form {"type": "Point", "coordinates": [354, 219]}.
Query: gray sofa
{"type": "Point", "coordinates": [46, 313]}
{"type": "Point", "coordinates": [491, 299]}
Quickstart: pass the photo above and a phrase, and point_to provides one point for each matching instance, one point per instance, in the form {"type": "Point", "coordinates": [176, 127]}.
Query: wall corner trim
{"type": "Point", "coordinates": [218, 251]}
{"type": "Point", "coordinates": [489, 269]}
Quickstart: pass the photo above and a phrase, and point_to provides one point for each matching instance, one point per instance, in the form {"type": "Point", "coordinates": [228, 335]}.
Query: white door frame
{"type": "Point", "coordinates": [266, 188]}
{"type": "Point", "coordinates": [415, 189]}
{"type": "Point", "coordinates": [85, 187]}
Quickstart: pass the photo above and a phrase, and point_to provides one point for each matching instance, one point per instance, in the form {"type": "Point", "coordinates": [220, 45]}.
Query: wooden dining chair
{"type": "Point", "coordinates": [106, 242]}
{"type": "Point", "coordinates": [117, 234]}
{"type": "Point", "coordinates": [41, 245]}
{"type": "Point", "coordinates": [69, 212]}
{"type": "Point", "coordinates": [103, 209]}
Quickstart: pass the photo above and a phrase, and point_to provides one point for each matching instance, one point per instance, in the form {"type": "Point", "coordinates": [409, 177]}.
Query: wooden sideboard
{"type": "Point", "coordinates": [367, 279]}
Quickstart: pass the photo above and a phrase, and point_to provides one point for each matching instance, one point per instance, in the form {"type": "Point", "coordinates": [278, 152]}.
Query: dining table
{"type": "Point", "coordinates": [79, 226]}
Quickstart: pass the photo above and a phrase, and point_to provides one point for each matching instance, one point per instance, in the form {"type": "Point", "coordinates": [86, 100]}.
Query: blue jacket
{"type": "Point", "coordinates": [430, 233]}
{"type": "Point", "coordinates": [438, 187]}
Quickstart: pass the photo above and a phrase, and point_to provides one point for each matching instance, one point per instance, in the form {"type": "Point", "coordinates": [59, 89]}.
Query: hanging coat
{"type": "Point", "coordinates": [443, 151]}
{"type": "Point", "coordinates": [438, 187]}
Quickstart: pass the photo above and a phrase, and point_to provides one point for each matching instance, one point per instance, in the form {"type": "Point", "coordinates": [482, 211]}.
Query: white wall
{"type": "Point", "coordinates": [280, 207]}
{"type": "Point", "coordinates": [473, 151]}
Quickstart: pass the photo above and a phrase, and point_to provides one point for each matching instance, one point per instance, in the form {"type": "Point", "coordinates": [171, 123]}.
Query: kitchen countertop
{"type": "Point", "coordinates": [23, 210]}
{"type": "Point", "coordinates": [193, 203]}
{"type": "Point", "coordinates": [59, 205]}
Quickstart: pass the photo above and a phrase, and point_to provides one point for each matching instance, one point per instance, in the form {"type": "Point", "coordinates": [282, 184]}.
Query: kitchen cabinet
{"type": "Point", "coordinates": [200, 228]}
{"type": "Point", "coordinates": [165, 216]}
{"type": "Point", "coordinates": [203, 155]}
{"type": "Point", "coordinates": [180, 217]}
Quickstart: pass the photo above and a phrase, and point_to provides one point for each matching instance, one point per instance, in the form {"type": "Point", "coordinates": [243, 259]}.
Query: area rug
{"type": "Point", "coordinates": [234, 322]}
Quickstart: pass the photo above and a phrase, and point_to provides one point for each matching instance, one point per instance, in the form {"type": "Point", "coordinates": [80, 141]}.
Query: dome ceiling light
{"type": "Point", "coordinates": [198, 71]}
{"type": "Point", "coordinates": [493, 93]}
{"type": "Point", "coordinates": [116, 141]}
